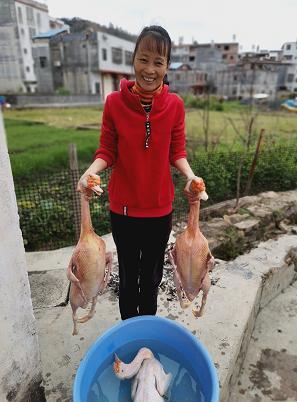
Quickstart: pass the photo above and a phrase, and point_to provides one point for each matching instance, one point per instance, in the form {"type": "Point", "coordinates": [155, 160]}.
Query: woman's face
{"type": "Point", "coordinates": [150, 67]}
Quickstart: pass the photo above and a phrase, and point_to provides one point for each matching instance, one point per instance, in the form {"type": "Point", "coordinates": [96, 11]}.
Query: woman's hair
{"type": "Point", "coordinates": [158, 39]}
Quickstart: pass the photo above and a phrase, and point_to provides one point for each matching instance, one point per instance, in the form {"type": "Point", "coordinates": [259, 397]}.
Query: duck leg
{"type": "Point", "coordinates": [172, 258]}
{"type": "Point", "coordinates": [205, 286]}
{"type": "Point", "coordinates": [90, 314]}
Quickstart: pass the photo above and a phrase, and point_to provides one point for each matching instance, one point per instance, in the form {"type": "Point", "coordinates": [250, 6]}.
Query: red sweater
{"type": "Point", "coordinates": [141, 183]}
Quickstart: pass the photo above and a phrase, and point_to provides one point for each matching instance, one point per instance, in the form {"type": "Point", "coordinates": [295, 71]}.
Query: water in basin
{"type": "Point", "coordinates": [106, 387]}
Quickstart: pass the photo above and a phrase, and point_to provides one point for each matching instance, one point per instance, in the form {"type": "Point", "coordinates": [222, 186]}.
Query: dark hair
{"type": "Point", "coordinates": [160, 40]}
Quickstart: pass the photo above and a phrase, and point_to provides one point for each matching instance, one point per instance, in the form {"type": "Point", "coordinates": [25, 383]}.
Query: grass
{"type": "Point", "coordinates": [280, 128]}
{"type": "Point", "coordinates": [41, 148]}
{"type": "Point", "coordinates": [62, 118]}
{"type": "Point", "coordinates": [38, 139]}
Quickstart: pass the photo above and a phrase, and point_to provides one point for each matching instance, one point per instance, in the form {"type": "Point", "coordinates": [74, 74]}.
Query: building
{"type": "Point", "coordinates": [251, 76]}
{"type": "Point", "coordinates": [203, 61]}
{"type": "Point", "coordinates": [196, 53]}
{"type": "Point", "coordinates": [115, 61]}
{"type": "Point", "coordinates": [20, 20]}
{"type": "Point", "coordinates": [289, 55]}
{"type": "Point", "coordinates": [47, 61]}
{"type": "Point", "coordinates": [183, 79]}
{"type": "Point", "coordinates": [81, 62]}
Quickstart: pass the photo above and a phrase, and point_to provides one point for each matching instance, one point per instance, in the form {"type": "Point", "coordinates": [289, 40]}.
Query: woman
{"type": "Point", "coordinates": [143, 133]}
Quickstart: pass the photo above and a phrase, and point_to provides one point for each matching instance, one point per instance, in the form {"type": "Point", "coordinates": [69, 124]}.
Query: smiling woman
{"type": "Point", "coordinates": [151, 58]}
{"type": "Point", "coordinates": [143, 134]}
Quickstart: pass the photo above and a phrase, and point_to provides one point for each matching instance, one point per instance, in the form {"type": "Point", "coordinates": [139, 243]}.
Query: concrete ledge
{"type": "Point", "coordinates": [241, 288]}
{"type": "Point", "coordinates": [246, 284]}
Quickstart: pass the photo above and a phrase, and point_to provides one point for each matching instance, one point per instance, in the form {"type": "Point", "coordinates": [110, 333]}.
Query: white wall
{"type": "Point", "coordinates": [108, 41]}
{"type": "Point", "coordinates": [20, 368]}
{"type": "Point", "coordinates": [107, 84]}
{"type": "Point", "coordinates": [289, 50]}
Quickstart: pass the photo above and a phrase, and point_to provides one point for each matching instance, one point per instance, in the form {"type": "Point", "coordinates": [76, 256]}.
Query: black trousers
{"type": "Point", "coordinates": [141, 244]}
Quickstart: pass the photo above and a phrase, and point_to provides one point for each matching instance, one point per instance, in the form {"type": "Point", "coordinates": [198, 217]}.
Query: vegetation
{"type": "Point", "coordinates": [38, 146]}
{"type": "Point", "coordinates": [62, 91]}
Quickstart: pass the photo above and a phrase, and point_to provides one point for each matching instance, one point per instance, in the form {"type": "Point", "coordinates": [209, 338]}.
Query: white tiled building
{"type": "Point", "coordinates": [19, 21]}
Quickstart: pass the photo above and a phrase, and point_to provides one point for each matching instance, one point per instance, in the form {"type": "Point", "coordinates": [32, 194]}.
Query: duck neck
{"type": "Point", "coordinates": [193, 219]}
{"type": "Point", "coordinates": [86, 223]}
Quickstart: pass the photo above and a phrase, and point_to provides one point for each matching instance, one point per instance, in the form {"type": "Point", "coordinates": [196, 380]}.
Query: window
{"type": "Point", "coordinates": [290, 77]}
{"type": "Point", "coordinates": [117, 55]}
{"type": "Point", "coordinates": [128, 58]}
{"type": "Point", "coordinates": [30, 15]}
{"type": "Point", "coordinates": [235, 78]}
{"type": "Point", "coordinates": [288, 47]}
{"type": "Point", "coordinates": [192, 58]}
{"type": "Point", "coordinates": [226, 47]}
{"type": "Point", "coordinates": [97, 87]}
{"type": "Point", "coordinates": [38, 20]}
{"type": "Point", "coordinates": [175, 58]}
{"type": "Point", "coordinates": [20, 15]}
{"type": "Point", "coordinates": [28, 69]}
{"type": "Point", "coordinates": [104, 54]}
{"type": "Point", "coordinates": [32, 32]}
{"type": "Point", "coordinates": [177, 77]}
{"type": "Point", "coordinates": [22, 31]}
{"type": "Point", "coordinates": [43, 61]}
{"type": "Point", "coordinates": [25, 51]}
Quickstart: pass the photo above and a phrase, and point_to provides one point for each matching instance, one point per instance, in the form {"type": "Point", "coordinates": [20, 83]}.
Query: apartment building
{"type": "Point", "coordinates": [20, 20]}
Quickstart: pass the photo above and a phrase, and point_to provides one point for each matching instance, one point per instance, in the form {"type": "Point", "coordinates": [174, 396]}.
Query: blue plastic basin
{"type": "Point", "coordinates": [147, 327]}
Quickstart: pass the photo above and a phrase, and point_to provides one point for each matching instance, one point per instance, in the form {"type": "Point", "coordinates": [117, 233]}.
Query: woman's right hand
{"type": "Point", "coordinates": [84, 188]}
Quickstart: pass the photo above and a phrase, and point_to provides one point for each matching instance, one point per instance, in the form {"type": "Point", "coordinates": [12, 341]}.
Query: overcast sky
{"type": "Point", "coordinates": [264, 23]}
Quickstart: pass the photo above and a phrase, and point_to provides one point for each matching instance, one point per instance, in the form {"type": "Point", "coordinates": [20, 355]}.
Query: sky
{"type": "Point", "coordinates": [264, 23]}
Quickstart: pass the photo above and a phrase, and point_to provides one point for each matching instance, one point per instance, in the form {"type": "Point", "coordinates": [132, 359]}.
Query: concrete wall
{"type": "Point", "coordinates": [20, 368]}
{"type": "Point", "coordinates": [43, 67]}
{"type": "Point", "coordinates": [243, 81]}
{"type": "Point", "coordinates": [39, 100]}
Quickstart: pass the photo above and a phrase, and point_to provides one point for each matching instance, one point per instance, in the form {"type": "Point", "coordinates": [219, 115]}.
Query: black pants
{"type": "Point", "coordinates": [141, 244]}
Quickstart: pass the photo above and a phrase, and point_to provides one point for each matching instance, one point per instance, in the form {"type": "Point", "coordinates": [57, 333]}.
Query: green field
{"type": "Point", "coordinates": [38, 139]}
